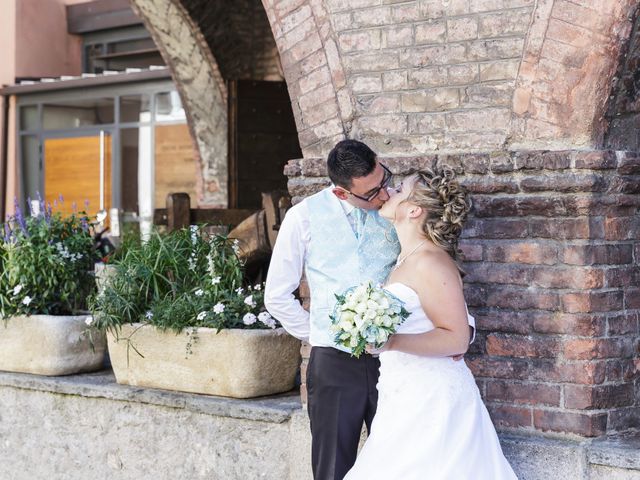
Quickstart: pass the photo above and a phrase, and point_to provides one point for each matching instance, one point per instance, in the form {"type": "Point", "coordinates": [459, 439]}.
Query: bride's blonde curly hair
{"type": "Point", "coordinates": [446, 203]}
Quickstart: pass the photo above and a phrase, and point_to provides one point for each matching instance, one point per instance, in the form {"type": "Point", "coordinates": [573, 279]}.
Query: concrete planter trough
{"type": "Point", "coordinates": [232, 363]}
{"type": "Point", "coordinates": [50, 345]}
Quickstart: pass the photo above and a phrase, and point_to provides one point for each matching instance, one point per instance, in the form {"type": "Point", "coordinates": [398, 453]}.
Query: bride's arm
{"type": "Point", "coordinates": [440, 291]}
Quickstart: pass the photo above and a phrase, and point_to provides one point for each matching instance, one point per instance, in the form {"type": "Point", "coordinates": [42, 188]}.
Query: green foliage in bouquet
{"type": "Point", "coordinates": [179, 280]}
{"type": "Point", "coordinates": [46, 264]}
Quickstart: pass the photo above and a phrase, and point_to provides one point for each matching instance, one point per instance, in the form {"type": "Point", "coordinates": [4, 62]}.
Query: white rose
{"type": "Point", "coordinates": [215, 280]}
{"type": "Point", "coordinates": [201, 315]}
{"type": "Point", "coordinates": [383, 336]}
{"type": "Point", "coordinates": [199, 292]}
{"type": "Point", "coordinates": [17, 289]}
{"type": "Point", "coordinates": [27, 300]}
{"type": "Point", "coordinates": [361, 308]}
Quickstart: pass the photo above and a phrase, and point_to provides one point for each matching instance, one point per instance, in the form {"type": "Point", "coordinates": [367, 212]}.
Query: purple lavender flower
{"type": "Point", "coordinates": [7, 233]}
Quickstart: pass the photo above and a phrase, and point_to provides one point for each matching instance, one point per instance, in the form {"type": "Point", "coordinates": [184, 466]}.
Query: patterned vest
{"type": "Point", "coordinates": [337, 260]}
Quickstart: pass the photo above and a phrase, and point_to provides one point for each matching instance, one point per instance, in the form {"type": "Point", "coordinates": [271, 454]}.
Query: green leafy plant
{"type": "Point", "coordinates": [180, 280]}
{"type": "Point", "coordinates": [46, 264]}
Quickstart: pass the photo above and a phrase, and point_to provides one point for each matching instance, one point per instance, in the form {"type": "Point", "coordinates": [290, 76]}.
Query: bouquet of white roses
{"type": "Point", "coordinates": [364, 315]}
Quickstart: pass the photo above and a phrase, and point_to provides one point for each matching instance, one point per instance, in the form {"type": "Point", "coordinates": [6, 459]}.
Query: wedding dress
{"type": "Point", "coordinates": [431, 423]}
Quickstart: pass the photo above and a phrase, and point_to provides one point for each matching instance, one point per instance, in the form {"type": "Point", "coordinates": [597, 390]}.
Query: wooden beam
{"type": "Point", "coordinates": [178, 211]}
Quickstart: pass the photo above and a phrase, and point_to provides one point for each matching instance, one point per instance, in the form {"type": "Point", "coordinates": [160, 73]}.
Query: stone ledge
{"type": "Point", "coordinates": [620, 451]}
{"type": "Point", "coordinates": [274, 409]}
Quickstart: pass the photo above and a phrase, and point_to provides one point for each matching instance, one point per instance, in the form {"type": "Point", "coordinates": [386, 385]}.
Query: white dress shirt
{"type": "Point", "coordinates": [286, 268]}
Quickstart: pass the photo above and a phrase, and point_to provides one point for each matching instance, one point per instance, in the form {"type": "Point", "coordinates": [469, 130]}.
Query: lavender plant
{"type": "Point", "coordinates": [46, 263]}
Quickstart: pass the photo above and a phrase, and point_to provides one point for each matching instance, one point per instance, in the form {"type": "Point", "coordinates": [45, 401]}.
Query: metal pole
{"type": "Point", "coordinates": [101, 170]}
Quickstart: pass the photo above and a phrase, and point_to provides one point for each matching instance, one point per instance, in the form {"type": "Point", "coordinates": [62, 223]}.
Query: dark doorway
{"type": "Point", "coordinates": [262, 138]}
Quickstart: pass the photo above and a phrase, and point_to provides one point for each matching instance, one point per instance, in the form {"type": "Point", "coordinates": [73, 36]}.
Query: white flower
{"type": "Point", "coordinates": [199, 292]}
{"type": "Point", "coordinates": [17, 289]}
{"type": "Point", "coordinates": [215, 280]}
{"type": "Point", "coordinates": [266, 318]}
{"type": "Point", "coordinates": [88, 321]}
{"type": "Point", "coordinates": [236, 246]}
{"type": "Point", "coordinates": [249, 301]}
{"type": "Point", "coordinates": [201, 315]}
{"type": "Point", "coordinates": [257, 287]}
{"type": "Point", "coordinates": [240, 290]}
{"type": "Point", "coordinates": [149, 315]}
{"type": "Point", "coordinates": [27, 300]}
{"type": "Point", "coordinates": [218, 308]}
{"type": "Point", "coordinates": [249, 319]}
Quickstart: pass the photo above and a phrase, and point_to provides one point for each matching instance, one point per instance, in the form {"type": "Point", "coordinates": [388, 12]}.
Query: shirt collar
{"type": "Point", "coordinates": [346, 206]}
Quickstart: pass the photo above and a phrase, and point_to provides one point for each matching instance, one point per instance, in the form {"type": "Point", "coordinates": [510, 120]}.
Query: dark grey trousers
{"type": "Point", "coordinates": [342, 396]}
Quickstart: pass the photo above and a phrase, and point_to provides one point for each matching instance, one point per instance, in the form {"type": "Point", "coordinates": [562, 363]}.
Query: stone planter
{"type": "Point", "coordinates": [50, 345]}
{"type": "Point", "coordinates": [232, 363]}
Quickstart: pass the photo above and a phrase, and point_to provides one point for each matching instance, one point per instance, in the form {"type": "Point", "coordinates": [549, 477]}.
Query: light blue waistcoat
{"type": "Point", "coordinates": [337, 260]}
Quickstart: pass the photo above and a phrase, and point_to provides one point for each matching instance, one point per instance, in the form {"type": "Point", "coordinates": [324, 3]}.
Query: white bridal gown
{"type": "Point", "coordinates": [430, 423]}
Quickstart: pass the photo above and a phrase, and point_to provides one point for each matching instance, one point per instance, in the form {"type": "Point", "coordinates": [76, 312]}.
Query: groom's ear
{"type": "Point", "coordinates": [341, 194]}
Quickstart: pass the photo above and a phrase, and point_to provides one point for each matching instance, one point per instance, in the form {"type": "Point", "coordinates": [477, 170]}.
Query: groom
{"type": "Point", "coordinates": [340, 240]}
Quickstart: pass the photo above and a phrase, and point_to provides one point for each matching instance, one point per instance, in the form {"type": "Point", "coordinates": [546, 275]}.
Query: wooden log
{"type": "Point", "coordinates": [253, 238]}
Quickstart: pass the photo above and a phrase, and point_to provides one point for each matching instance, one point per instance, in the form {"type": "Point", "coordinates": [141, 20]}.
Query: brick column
{"type": "Point", "coordinates": [552, 255]}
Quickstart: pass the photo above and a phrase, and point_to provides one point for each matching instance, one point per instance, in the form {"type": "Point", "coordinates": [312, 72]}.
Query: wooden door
{"type": "Point", "coordinates": [72, 169]}
{"type": "Point", "coordinates": [262, 138]}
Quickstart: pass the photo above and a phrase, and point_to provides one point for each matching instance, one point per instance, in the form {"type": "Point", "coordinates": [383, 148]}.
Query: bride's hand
{"type": "Point", "coordinates": [370, 349]}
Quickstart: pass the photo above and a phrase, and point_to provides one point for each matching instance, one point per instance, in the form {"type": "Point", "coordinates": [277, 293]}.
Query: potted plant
{"type": "Point", "coordinates": [178, 317]}
{"type": "Point", "coordinates": [46, 264]}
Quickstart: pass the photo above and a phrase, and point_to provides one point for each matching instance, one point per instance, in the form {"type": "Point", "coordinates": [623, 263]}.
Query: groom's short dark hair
{"type": "Point", "coordinates": [350, 159]}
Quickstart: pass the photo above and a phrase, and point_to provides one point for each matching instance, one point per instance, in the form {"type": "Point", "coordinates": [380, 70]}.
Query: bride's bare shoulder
{"type": "Point", "coordinates": [436, 267]}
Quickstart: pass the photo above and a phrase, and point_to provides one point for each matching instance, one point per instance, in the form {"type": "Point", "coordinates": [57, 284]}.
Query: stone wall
{"type": "Point", "coordinates": [552, 259]}
{"type": "Point", "coordinates": [86, 426]}
{"type": "Point", "coordinates": [623, 113]}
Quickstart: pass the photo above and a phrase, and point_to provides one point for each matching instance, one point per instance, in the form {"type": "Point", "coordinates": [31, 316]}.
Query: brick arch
{"type": "Point", "coordinates": [322, 103]}
{"type": "Point", "coordinates": [571, 54]}
{"type": "Point", "coordinates": [201, 86]}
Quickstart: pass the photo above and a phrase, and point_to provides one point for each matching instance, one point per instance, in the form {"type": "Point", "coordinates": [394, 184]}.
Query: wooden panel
{"type": "Point", "coordinates": [176, 169]}
{"type": "Point", "coordinates": [72, 168]}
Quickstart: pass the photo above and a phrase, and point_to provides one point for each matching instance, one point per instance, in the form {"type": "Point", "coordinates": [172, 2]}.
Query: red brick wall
{"type": "Point", "coordinates": [552, 253]}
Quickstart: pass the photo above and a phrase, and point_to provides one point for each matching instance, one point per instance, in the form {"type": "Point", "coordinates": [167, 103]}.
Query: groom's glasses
{"type": "Point", "coordinates": [386, 180]}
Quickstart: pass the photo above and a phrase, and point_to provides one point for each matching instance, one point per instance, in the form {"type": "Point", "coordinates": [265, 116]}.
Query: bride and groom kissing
{"type": "Point", "coordinates": [419, 402]}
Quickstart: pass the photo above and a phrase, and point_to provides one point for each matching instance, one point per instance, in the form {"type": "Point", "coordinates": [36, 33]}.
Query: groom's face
{"type": "Point", "coordinates": [365, 187]}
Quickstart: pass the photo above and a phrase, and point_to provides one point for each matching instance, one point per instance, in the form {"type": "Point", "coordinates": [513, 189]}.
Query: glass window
{"type": "Point", "coordinates": [77, 113]}
{"type": "Point", "coordinates": [31, 172]}
{"type": "Point", "coordinates": [29, 118]}
{"type": "Point", "coordinates": [135, 108]}
{"type": "Point", "coordinates": [129, 153]}
{"type": "Point", "coordinates": [169, 107]}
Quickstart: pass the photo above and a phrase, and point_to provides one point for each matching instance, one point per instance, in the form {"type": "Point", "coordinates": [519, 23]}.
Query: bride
{"type": "Point", "coordinates": [430, 422]}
